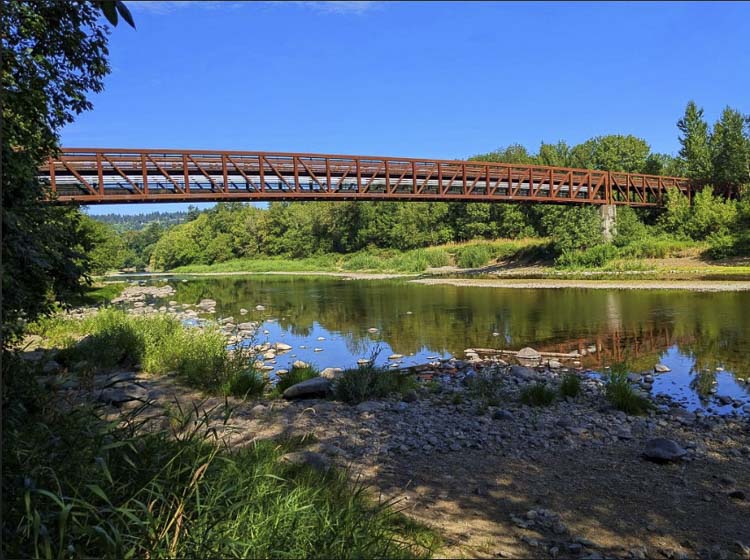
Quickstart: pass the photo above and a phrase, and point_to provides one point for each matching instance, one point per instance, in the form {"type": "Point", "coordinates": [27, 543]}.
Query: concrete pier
{"type": "Point", "coordinates": [608, 213]}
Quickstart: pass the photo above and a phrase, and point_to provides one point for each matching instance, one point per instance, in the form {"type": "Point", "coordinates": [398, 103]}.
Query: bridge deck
{"type": "Point", "coordinates": [100, 176]}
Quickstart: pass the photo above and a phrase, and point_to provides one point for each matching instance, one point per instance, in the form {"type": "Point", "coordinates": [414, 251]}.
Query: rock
{"type": "Point", "coordinates": [260, 308]}
{"type": "Point", "coordinates": [411, 396]}
{"type": "Point", "coordinates": [247, 326]}
{"type": "Point", "coordinates": [372, 330]}
{"type": "Point", "coordinates": [331, 373]}
{"type": "Point", "coordinates": [314, 387]}
{"type": "Point", "coordinates": [364, 362]}
{"type": "Point", "coordinates": [395, 356]}
{"type": "Point", "coordinates": [554, 364]}
{"type": "Point", "coordinates": [661, 368]}
{"type": "Point", "coordinates": [369, 406]}
{"type": "Point", "coordinates": [119, 395]}
{"type": "Point", "coordinates": [281, 347]}
{"type": "Point", "coordinates": [51, 367]}
{"type": "Point", "coordinates": [528, 354]}
{"type": "Point", "coordinates": [724, 399]}
{"type": "Point", "coordinates": [662, 450]}
{"type": "Point", "coordinates": [317, 349]}
{"type": "Point", "coordinates": [269, 355]}
{"type": "Point", "coordinates": [503, 415]}
{"type": "Point", "coordinates": [243, 311]}
{"type": "Point", "coordinates": [312, 459]}
{"type": "Point", "coordinates": [737, 495]}
{"type": "Point", "coordinates": [259, 409]}
{"type": "Point", "coordinates": [299, 364]}
{"type": "Point", "coordinates": [524, 373]}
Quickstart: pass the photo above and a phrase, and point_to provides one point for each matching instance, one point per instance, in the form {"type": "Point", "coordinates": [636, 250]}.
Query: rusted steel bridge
{"type": "Point", "coordinates": [101, 176]}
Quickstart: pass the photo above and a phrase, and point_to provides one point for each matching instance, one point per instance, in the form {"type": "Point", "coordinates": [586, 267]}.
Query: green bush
{"type": "Point", "coordinates": [593, 257]}
{"type": "Point", "coordinates": [488, 386]}
{"type": "Point", "coordinates": [294, 376]}
{"type": "Point", "coordinates": [76, 487]}
{"type": "Point", "coordinates": [621, 394]}
{"type": "Point", "coordinates": [570, 386]}
{"type": "Point", "coordinates": [474, 255]}
{"type": "Point", "coordinates": [370, 382]}
{"type": "Point", "coordinates": [537, 394]}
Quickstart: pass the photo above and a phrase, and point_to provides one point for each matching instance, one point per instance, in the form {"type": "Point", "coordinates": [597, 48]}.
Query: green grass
{"type": "Point", "coordinates": [475, 254]}
{"type": "Point", "coordinates": [537, 394]}
{"type": "Point", "coordinates": [294, 376]}
{"type": "Point", "coordinates": [76, 487]}
{"type": "Point", "coordinates": [267, 264]}
{"type": "Point", "coordinates": [570, 386]}
{"type": "Point", "coordinates": [621, 394]}
{"type": "Point", "coordinates": [370, 382]}
{"type": "Point", "coordinates": [488, 386]}
{"type": "Point", "coordinates": [159, 343]}
{"type": "Point", "coordinates": [99, 294]}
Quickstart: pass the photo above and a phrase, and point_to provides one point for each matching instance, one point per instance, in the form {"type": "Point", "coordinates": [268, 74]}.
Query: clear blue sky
{"type": "Point", "coordinates": [444, 79]}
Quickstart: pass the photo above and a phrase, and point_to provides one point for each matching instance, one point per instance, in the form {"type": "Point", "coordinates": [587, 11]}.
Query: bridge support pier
{"type": "Point", "coordinates": [608, 213]}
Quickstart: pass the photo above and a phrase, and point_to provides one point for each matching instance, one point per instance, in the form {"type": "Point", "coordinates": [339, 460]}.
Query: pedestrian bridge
{"type": "Point", "coordinates": [105, 176]}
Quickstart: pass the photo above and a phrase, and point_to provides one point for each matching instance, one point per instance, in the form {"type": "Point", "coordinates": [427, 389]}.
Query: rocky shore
{"type": "Point", "coordinates": [498, 478]}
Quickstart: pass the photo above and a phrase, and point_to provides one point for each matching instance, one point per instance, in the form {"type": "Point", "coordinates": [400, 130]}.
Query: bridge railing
{"type": "Point", "coordinates": [94, 175]}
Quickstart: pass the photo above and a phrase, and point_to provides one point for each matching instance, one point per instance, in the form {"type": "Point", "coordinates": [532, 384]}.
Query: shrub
{"type": "Point", "coordinates": [370, 382]}
{"type": "Point", "coordinates": [474, 255]}
{"type": "Point", "coordinates": [294, 376]}
{"type": "Point", "coordinates": [570, 386]}
{"type": "Point", "coordinates": [621, 394]}
{"type": "Point", "coordinates": [593, 257]}
{"type": "Point", "coordinates": [537, 394]}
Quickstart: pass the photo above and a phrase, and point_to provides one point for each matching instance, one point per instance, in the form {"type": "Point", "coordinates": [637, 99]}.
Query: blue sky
{"type": "Point", "coordinates": [421, 79]}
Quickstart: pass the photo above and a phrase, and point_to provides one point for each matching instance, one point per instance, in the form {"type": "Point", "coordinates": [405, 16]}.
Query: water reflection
{"type": "Point", "coordinates": [693, 333]}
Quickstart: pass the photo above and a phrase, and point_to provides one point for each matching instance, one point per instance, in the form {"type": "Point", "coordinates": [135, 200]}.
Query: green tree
{"type": "Point", "coordinates": [107, 251]}
{"type": "Point", "coordinates": [695, 151]}
{"type": "Point", "coordinates": [614, 152]}
{"type": "Point", "coordinates": [53, 55]}
{"type": "Point", "coordinates": [730, 150]}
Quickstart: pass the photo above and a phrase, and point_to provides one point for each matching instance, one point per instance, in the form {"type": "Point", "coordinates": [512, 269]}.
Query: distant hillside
{"type": "Point", "coordinates": [136, 222]}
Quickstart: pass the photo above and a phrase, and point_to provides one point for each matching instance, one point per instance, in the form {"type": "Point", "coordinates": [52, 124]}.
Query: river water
{"type": "Point", "coordinates": [703, 337]}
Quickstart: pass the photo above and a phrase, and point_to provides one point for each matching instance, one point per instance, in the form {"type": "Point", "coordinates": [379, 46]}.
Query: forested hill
{"type": "Point", "coordinates": [136, 222]}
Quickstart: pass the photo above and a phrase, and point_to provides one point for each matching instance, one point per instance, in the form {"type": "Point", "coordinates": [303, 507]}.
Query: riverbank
{"type": "Point", "coordinates": [494, 476]}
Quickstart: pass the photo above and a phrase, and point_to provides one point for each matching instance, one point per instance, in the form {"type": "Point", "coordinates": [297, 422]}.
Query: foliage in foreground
{"type": "Point", "coordinates": [621, 394]}
{"type": "Point", "coordinates": [159, 344]}
{"type": "Point", "coordinates": [74, 486]}
{"type": "Point", "coordinates": [370, 382]}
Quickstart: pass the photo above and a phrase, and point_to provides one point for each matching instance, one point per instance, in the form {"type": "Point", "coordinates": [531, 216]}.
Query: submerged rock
{"type": "Point", "coordinates": [663, 450]}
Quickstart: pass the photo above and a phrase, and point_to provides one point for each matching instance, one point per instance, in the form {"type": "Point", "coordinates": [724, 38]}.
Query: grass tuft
{"type": "Point", "coordinates": [621, 394]}
{"type": "Point", "coordinates": [294, 376]}
{"type": "Point", "coordinates": [537, 394]}
{"type": "Point", "coordinates": [370, 382]}
{"type": "Point", "coordinates": [570, 386]}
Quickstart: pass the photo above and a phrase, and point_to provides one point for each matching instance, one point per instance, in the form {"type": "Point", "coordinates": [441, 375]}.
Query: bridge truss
{"type": "Point", "coordinates": [101, 176]}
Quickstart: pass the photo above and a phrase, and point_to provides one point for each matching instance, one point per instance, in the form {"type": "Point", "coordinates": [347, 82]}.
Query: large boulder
{"type": "Point", "coordinates": [120, 395]}
{"type": "Point", "coordinates": [315, 387]}
{"type": "Point", "coordinates": [528, 354]}
{"type": "Point", "coordinates": [663, 450]}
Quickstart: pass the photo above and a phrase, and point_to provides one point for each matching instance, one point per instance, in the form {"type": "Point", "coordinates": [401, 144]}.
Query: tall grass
{"type": "Point", "coordinates": [621, 394]}
{"type": "Point", "coordinates": [160, 344]}
{"type": "Point", "coordinates": [570, 386]}
{"type": "Point", "coordinates": [74, 486]}
{"type": "Point", "coordinates": [370, 382]}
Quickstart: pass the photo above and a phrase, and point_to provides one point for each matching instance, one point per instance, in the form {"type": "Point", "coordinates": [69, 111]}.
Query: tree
{"type": "Point", "coordinates": [730, 150]}
{"type": "Point", "coordinates": [695, 151]}
{"type": "Point", "coordinates": [53, 55]}
{"type": "Point", "coordinates": [614, 152]}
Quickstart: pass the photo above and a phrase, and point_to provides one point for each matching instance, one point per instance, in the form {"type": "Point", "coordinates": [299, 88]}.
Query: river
{"type": "Point", "coordinates": [703, 337]}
